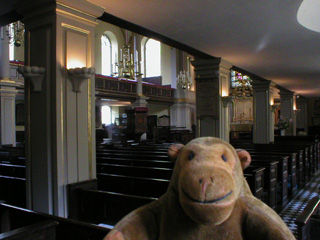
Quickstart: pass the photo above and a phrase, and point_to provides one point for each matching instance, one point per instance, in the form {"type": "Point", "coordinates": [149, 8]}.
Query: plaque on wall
{"type": "Point", "coordinates": [207, 93]}
{"type": "Point", "coordinates": [164, 121]}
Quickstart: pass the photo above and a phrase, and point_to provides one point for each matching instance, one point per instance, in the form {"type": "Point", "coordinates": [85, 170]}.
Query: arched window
{"type": "Point", "coordinates": [11, 44]}
{"type": "Point", "coordinates": [106, 116]}
{"type": "Point", "coordinates": [152, 58]}
{"type": "Point", "coordinates": [106, 56]}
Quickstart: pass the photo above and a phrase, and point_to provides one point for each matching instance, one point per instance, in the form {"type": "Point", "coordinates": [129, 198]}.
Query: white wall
{"type": "Point", "coordinates": [158, 110]}
{"type": "Point", "coordinates": [166, 64]}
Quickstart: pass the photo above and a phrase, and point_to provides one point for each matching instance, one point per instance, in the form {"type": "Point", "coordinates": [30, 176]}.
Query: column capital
{"type": "Point", "coordinates": [80, 9]}
{"type": "Point", "coordinates": [208, 68]}
{"type": "Point", "coordinates": [285, 93]}
{"type": "Point", "coordinates": [261, 85]}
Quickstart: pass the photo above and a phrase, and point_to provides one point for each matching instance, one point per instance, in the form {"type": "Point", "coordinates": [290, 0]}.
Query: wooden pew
{"type": "Point", "coordinates": [42, 230]}
{"type": "Point", "coordinates": [10, 154]}
{"type": "Point", "coordinates": [282, 175]}
{"type": "Point", "coordinates": [311, 147]}
{"type": "Point", "coordinates": [133, 156]}
{"type": "Point", "coordinates": [13, 183]}
{"type": "Point", "coordinates": [135, 171]}
{"type": "Point", "coordinates": [12, 218]}
{"type": "Point", "coordinates": [133, 151]}
{"type": "Point", "coordinates": [276, 177]}
{"type": "Point", "coordinates": [291, 165]}
{"type": "Point", "coordinates": [270, 180]}
{"type": "Point", "coordinates": [255, 179]}
{"type": "Point", "coordinates": [13, 190]}
{"type": "Point", "coordinates": [154, 147]}
{"type": "Point", "coordinates": [12, 170]}
{"type": "Point", "coordinates": [91, 205]}
{"type": "Point", "coordinates": [139, 186]}
{"type": "Point", "coordinates": [135, 162]}
{"type": "Point", "coordinates": [308, 221]}
{"type": "Point", "coordinates": [297, 160]}
{"type": "Point", "coordinates": [5, 156]}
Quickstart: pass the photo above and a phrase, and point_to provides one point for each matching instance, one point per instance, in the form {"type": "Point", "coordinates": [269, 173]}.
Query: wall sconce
{"type": "Point", "coordinates": [33, 74]}
{"type": "Point", "coordinates": [79, 75]}
{"type": "Point", "coordinates": [274, 107]}
{"type": "Point", "coordinates": [226, 100]}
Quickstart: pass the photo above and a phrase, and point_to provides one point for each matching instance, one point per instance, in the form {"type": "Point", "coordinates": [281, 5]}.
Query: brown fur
{"type": "Point", "coordinates": [208, 198]}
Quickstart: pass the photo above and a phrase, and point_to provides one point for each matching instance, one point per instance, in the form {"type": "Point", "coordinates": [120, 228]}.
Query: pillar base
{"type": "Point", "coordinates": [8, 93]}
{"type": "Point", "coordinates": [141, 101]}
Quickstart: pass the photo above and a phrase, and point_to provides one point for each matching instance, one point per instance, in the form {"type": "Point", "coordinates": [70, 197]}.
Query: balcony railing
{"type": "Point", "coordinates": [126, 89]}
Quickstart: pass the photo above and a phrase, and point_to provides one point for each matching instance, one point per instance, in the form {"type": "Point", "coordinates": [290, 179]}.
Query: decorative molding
{"type": "Point", "coordinates": [75, 28]}
{"type": "Point", "coordinates": [33, 74]}
{"type": "Point", "coordinates": [78, 76]}
{"type": "Point", "coordinates": [81, 6]}
{"type": "Point", "coordinates": [76, 16]}
{"type": "Point", "coordinates": [226, 100]}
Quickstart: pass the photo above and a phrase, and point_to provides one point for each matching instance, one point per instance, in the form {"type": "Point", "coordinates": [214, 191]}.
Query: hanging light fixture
{"type": "Point", "coordinates": [128, 65]}
{"type": "Point", "coordinates": [184, 79]}
{"type": "Point", "coordinates": [15, 32]}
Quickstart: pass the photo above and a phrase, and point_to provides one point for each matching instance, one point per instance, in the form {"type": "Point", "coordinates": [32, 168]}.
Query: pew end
{"type": "Point", "coordinates": [308, 221]}
{"type": "Point", "coordinates": [42, 230]}
{"type": "Point", "coordinates": [20, 219]}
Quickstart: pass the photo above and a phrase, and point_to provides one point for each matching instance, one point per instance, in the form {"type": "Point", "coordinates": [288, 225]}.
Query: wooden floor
{"type": "Point", "coordinates": [299, 202]}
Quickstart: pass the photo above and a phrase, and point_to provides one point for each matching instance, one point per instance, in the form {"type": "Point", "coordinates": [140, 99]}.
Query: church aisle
{"type": "Point", "coordinates": [299, 202]}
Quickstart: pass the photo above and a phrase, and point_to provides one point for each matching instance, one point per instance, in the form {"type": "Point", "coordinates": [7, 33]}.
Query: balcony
{"type": "Point", "coordinates": [125, 89]}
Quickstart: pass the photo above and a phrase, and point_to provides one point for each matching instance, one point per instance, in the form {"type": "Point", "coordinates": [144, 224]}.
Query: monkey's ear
{"type": "Point", "coordinates": [174, 150]}
{"type": "Point", "coordinates": [245, 158]}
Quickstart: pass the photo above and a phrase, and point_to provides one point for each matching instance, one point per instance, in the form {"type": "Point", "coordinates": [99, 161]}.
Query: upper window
{"type": "Point", "coordinates": [11, 44]}
{"type": "Point", "coordinates": [153, 58]}
{"type": "Point", "coordinates": [106, 56]}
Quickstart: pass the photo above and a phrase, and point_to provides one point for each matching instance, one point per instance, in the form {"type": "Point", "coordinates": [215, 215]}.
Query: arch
{"type": "Point", "coordinates": [152, 57]}
{"type": "Point", "coordinates": [109, 52]}
{"type": "Point", "coordinates": [11, 44]}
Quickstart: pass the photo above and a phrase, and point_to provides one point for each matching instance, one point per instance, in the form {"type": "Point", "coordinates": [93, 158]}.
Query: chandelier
{"type": "Point", "coordinates": [184, 79]}
{"type": "Point", "coordinates": [127, 64]}
{"type": "Point", "coordinates": [241, 85]}
{"type": "Point", "coordinates": [15, 33]}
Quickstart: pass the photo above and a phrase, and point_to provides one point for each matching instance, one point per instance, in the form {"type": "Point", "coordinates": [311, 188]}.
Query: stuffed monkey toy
{"type": "Point", "coordinates": [208, 198]}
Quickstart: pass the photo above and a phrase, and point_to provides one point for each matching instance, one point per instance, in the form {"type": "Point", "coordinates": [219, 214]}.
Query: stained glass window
{"type": "Point", "coordinates": [240, 85]}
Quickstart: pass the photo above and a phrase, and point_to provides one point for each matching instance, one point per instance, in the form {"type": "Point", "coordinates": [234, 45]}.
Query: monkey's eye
{"type": "Point", "coordinates": [191, 155]}
{"type": "Point", "coordinates": [224, 158]}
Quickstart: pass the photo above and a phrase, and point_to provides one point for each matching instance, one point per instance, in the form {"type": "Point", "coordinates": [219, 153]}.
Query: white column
{"type": "Point", "coordinates": [174, 67]}
{"type": "Point", "coordinates": [224, 79]}
{"type": "Point", "coordinates": [302, 113]}
{"type": "Point", "coordinates": [60, 130]}
{"type": "Point", "coordinates": [8, 93]}
{"type": "Point", "coordinates": [4, 55]}
{"type": "Point", "coordinates": [286, 108]}
{"type": "Point", "coordinates": [272, 110]}
{"type": "Point", "coordinates": [211, 116]}
{"type": "Point", "coordinates": [261, 111]}
{"type": "Point", "coordinates": [183, 110]}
